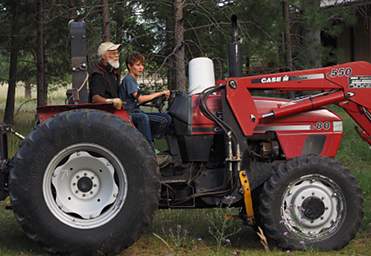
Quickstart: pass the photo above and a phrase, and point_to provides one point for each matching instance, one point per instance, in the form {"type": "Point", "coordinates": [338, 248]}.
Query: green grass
{"type": "Point", "coordinates": [192, 232]}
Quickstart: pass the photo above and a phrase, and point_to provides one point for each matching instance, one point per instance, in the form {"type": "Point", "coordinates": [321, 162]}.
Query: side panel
{"type": "Point", "coordinates": [295, 144]}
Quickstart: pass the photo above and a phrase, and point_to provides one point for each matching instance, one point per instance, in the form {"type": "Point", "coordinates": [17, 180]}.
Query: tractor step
{"type": "Point", "coordinates": [174, 179]}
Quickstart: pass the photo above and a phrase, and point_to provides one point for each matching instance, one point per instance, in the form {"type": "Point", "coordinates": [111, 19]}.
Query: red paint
{"type": "Point", "coordinates": [321, 79]}
{"type": "Point", "coordinates": [46, 112]}
{"type": "Point", "coordinates": [199, 120]}
{"type": "Point", "coordinates": [356, 112]}
{"type": "Point", "coordinates": [292, 143]}
{"type": "Point", "coordinates": [308, 104]}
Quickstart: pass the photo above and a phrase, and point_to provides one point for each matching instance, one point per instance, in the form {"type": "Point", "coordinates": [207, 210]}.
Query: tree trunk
{"type": "Point", "coordinates": [10, 100]}
{"type": "Point", "coordinates": [312, 36]}
{"type": "Point", "coordinates": [27, 90]}
{"type": "Point", "coordinates": [119, 18]}
{"type": "Point", "coordinates": [72, 9]}
{"type": "Point", "coordinates": [40, 54]}
{"type": "Point", "coordinates": [287, 35]}
{"type": "Point", "coordinates": [179, 46]}
{"type": "Point", "coordinates": [171, 81]}
{"type": "Point", "coordinates": [106, 24]}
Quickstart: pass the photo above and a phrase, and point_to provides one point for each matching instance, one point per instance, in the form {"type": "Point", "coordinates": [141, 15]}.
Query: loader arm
{"type": "Point", "coordinates": [348, 85]}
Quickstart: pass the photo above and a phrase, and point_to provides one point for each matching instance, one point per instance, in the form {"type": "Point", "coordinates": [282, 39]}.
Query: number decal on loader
{"type": "Point", "coordinates": [340, 72]}
{"type": "Point", "coordinates": [322, 125]}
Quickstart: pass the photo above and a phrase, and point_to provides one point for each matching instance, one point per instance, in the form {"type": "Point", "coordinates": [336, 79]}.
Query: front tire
{"type": "Point", "coordinates": [84, 182]}
{"type": "Point", "coordinates": [311, 202]}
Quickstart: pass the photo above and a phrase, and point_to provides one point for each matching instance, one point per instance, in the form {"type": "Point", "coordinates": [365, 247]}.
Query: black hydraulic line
{"type": "Point", "coordinates": [226, 128]}
{"type": "Point", "coordinates": [205, 110]}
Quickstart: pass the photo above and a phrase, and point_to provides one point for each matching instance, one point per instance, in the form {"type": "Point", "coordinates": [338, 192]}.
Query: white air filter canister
{"type": "Point", "coordinates": [201, 74]}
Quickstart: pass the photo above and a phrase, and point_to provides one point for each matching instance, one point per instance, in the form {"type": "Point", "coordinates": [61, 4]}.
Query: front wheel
{"type": "Point", "coordinates": [84, 182]}
{"type": "Point", "coordinates": [311, 202]}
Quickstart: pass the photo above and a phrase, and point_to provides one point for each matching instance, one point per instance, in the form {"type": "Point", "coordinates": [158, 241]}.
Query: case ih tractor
{"type": "Point", "coordinates": [85, 181]}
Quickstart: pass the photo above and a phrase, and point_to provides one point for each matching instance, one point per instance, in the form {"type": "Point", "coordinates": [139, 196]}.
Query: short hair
{"type": "Point", "coordinates": [133, 58]}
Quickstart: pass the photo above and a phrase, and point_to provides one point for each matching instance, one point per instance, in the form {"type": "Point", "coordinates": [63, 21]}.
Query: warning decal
{"type": "Point", "coordinates": [360, 82]}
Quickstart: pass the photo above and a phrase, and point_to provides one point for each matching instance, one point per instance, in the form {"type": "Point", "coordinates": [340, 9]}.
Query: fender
{"type": "Point", "coordinates": [46, 112]}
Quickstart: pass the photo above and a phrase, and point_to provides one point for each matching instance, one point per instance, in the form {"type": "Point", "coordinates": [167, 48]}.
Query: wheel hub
{"type": "Point", "coordinates": [84, 184]}
{"type": "Point", "coordinates": [313, 208]}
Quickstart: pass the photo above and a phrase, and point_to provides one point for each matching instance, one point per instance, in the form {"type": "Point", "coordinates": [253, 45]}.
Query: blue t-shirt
{"type": "Point", "coordinates": [129, 86]}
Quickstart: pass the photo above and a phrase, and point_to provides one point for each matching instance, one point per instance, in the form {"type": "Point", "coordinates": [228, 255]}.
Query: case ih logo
{"type": "Point", "coordinates": [266, 80]}
{"type": "Point", "coordinates": [286, 78]}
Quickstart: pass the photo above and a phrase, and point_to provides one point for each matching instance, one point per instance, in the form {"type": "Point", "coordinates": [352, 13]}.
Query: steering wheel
{"type": "Point", "coordinates": [158, 102]}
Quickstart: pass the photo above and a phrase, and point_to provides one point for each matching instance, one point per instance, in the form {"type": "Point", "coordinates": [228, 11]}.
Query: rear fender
{"type": "Point", "coordinates": [46, 112]}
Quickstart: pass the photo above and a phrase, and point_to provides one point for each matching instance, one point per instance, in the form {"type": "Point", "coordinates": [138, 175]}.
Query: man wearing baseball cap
{"type": "Point", "coordinates": [105, 76]}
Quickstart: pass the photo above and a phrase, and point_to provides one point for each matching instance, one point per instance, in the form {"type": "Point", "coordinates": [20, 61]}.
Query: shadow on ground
{"type": "Point", "coordinates": [13, 240]}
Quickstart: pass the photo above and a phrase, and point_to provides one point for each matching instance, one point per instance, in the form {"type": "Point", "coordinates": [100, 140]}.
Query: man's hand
{"type": "Point", "coordinates": [117, 102]}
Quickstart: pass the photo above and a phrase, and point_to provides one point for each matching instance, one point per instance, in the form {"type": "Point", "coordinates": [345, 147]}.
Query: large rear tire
{"type": "Point", "coordinates": [84, 182]}
{"type": "Point", "coordinates": [311, 202]}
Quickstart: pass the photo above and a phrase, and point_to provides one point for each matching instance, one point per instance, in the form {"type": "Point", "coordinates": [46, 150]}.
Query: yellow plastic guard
{"type": "Point", "coordinates": [247, 197]}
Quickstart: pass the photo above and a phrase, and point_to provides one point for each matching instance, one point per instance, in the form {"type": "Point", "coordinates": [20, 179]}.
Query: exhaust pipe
{"type": "Point", "coordinates": [79, 92]}
{"type": "Point", "coordinates": [234, 55]}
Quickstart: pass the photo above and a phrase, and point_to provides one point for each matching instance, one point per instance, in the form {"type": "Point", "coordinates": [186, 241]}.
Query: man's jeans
{"type": "Point", "coordinates": [151, 124]}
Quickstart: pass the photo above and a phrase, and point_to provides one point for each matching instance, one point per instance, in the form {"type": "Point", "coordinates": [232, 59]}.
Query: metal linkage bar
{"type": "Point", "coordinates": [247, 197]}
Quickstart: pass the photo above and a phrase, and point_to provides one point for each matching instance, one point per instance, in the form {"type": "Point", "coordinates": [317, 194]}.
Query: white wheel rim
{"type": "Point", "coordinates": [313, 207]}
{"type": "Point", "coordinates": [85, 186]}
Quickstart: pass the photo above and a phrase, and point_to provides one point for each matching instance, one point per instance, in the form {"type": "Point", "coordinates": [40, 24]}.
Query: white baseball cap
{"type": "Point", "coordinates": [107, 46]}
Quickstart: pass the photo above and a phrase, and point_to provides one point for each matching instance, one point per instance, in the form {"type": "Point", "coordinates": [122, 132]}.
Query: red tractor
{"type": "Point", "coordinates": [86, 181]}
